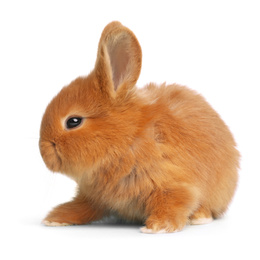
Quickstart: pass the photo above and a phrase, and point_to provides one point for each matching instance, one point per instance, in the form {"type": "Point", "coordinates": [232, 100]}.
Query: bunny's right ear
{"type": "Point", "coordinates": [119, 60]}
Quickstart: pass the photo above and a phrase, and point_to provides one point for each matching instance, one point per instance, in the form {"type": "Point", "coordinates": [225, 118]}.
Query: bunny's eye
{"type": "Point", "coordinates": [73, 122]}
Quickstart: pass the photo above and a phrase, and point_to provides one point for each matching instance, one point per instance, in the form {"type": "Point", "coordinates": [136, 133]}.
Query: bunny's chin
{"type": "Point", "coordinates": [50, 155]}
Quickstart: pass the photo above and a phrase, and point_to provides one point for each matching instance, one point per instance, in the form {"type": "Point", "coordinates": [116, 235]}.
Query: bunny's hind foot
{"type": "Point", "coordinates": [201, 216]}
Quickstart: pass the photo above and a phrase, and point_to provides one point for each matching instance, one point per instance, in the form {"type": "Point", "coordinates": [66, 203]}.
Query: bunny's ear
{"type": "Point", "coordinates": [119, 59]}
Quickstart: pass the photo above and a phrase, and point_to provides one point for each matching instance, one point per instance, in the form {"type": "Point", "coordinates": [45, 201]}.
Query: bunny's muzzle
{"type": "Point", "coordinates": [50, 155]}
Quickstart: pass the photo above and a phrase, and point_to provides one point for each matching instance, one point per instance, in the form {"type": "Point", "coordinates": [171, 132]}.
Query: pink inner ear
{"type": "Point", "coordinates": [119, 60]}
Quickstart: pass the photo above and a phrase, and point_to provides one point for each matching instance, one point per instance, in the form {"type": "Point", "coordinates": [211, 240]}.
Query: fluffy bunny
{"type": "Point", "coordinates": [159, 155]}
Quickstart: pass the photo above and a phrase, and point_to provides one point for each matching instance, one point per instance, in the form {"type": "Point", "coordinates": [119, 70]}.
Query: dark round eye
{"type": "Point", "coordinates": [73, 122]}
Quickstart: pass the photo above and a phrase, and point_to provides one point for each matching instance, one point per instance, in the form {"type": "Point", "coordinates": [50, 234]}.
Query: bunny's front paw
{"type": "Point", "coordinates": [54, 224]}
{"type": "Point", "coordinates": [154, 226]}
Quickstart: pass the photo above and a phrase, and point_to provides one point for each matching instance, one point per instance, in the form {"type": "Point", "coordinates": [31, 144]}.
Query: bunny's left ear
{"type": "Point", "coordinates": [119, 60]}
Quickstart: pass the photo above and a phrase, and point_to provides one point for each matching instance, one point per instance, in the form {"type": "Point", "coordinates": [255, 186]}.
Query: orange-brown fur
{"type": "Point", "coordinates": [160, 155]}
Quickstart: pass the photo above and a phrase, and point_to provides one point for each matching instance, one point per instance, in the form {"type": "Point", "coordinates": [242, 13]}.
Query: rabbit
{"type": "Point", "coordinates": [158, 155]}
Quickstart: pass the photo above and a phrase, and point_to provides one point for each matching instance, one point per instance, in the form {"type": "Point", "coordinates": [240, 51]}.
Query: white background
{"type": "Point", "coordinates": [210, 46]}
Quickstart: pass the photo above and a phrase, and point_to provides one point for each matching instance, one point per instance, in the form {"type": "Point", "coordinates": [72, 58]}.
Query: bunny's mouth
{"type": "Point", "coordinates": [50, 155]}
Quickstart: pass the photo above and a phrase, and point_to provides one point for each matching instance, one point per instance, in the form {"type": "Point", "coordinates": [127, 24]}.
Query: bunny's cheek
{"type": "Point", "coordinates": [50, 156]}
